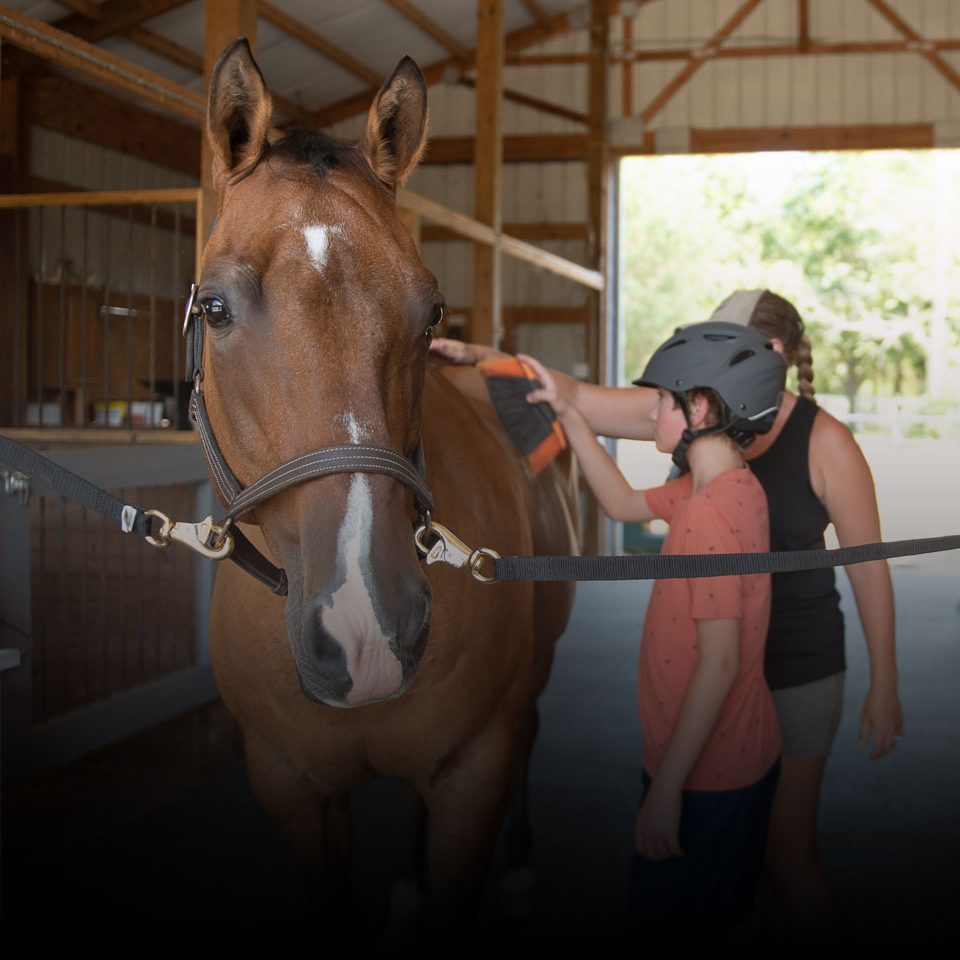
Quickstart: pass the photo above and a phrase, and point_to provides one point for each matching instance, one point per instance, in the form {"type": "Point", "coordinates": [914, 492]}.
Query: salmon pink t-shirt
{"type": "Point", "coordinates": [727, 515]}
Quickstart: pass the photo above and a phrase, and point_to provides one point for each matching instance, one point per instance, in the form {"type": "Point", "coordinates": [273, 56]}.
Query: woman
{"type": "Point", "coordinates": [813, 473]}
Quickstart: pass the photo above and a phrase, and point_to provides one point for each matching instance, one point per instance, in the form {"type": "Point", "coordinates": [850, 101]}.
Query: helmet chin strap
{"type": "Point", "coordinates": [679, 455]}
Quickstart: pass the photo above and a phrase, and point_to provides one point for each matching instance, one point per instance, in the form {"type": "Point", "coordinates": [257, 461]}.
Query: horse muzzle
{"type": "Point", "coordinates": [352, 652]}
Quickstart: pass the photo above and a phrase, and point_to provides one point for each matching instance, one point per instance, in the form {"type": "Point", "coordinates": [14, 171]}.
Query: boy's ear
{"type": "Point", "coordinates": [699, 408]}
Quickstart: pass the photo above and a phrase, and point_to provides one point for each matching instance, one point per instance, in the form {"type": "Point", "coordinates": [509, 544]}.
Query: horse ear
{"type": "Point", "coordinates": [238, 114]}
{"type": "Point", "coordinates": [396, 130]}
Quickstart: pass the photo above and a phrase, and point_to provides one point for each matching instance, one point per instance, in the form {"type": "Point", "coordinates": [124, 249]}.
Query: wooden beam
{"type": "Point", "coordinates": [741, 53]}
{"type": "Point", "coordinates": [140, 213]}
{"type": "Point", "coordinates": [597, 177]}
{"type": "Point", "coordinates": [530, 232]}
{"type": "Point", "coordinates": [98, 198]}
{"type": "Point", "coordinates": [626, 70]}
{"type": "Point", "coordinates": [62, 48]}
{"type": "Point", "coordinates": [482, 233]}
{"type": "Point", "coordinates": [116, 16]}
{"type": "Point", "coordinates": [224, 21]}
{"type": "Point", "coordinates": [537, 13]}
{"type": "Point", "coordinates": [435, 72]}
{"type": "Point", "coordinates": [705, 52]}
{"type": "Point", "coordinates": [906, 136]}
{"type": "Point", "coordinates": [95, 116]}
{"type": "Point", "coordinates": [486, 325]}
{"type": "Point", "coordinates": [433, 30]}
{"type": "Point", "coordinates": [545, 106]}
{"type": "Point", "coordinates": [516, 149]}
{"type": "Point", "coordinates": [803, 25]}
{"type": "Point", "coordinates": [593, 523]}
{"type": "Point", "coordinates": [922, 47]}
{"type": "Point", "coordinates": [300, 31]}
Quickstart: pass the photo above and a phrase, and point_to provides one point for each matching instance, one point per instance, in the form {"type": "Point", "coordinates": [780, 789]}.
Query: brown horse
{"type": "Point", "coordinates": [319, 315]}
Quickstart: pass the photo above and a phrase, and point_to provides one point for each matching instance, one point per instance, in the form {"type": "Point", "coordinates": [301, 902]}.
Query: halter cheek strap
{"type": "Point", "coordinates": [341, 458]}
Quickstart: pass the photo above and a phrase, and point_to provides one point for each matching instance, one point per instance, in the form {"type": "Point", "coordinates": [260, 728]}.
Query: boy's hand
{"type": "Point", "coordinates": [656, 834]}
{"type": "Point", "coordinates": [548, 393]}
{"type": "Point", "coordinates": [457, 351]}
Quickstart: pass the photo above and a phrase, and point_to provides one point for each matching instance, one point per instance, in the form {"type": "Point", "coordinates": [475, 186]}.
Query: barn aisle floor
{"type": "Point", "coordinates": [158, 844]}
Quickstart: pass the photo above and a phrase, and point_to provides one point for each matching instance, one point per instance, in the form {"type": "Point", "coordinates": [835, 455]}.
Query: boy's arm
{"type": "Point", "coordinates": [617, 498]}
{"type": "Point", "coordinates": [656, 834]}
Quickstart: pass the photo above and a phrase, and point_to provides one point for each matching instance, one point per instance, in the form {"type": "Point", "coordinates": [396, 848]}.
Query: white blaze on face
{"type": "Point", "coordinates": [317, 239]}
{"type": "Point", "coordinates": [351, 618]}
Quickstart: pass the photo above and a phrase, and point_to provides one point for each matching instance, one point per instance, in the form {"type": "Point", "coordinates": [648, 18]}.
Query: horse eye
{"type": "Point", "coordinates": [215, 311]}
{"type": "Point", "coordinates": [435, 317]}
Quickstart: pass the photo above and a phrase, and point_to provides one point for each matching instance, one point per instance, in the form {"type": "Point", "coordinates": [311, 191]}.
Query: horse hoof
{"type": "Point", "coordinates": [518, 892]}
{"type": "Point", "coordinates": [406, 912]}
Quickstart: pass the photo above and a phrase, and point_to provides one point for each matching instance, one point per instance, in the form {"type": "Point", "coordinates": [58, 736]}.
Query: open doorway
{"type": "Point", "coordinates": [866, 247]}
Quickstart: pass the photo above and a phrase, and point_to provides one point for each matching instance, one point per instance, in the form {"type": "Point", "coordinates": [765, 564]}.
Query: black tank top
{"type": "Point", "coordinates": [805, 641]}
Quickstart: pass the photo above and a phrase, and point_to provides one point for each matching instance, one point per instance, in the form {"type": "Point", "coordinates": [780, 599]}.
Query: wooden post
{"type": "Point", "coordinates": [225, 21]}
{"type": "Point", "coordinates": [14, 172]}
{"type": "Point", "coordinates": [597, 226]}
{"type": "Point", "coordinates": [485, 324]}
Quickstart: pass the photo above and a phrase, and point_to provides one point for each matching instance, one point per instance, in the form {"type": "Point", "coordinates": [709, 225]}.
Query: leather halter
{"type": "Point", "coordinates": [341, 458]}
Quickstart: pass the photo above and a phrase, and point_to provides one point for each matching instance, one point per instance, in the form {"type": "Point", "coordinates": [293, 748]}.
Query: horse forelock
{"type": "Point", "coordinates": [319, 151]}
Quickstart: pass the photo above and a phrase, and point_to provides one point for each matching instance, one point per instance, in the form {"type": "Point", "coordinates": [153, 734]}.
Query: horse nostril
{"type": "Point", "coordinates": [326, 659]}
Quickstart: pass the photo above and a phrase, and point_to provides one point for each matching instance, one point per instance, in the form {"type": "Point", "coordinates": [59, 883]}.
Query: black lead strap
{"type": "Point", "coordinates": [697, 565]}
{"type": "Point", "coordinates": [128, 518]}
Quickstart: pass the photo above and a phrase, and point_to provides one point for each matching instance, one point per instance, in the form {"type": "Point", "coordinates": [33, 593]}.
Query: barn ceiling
{"type": "Point", "coordinates": [314, 54]}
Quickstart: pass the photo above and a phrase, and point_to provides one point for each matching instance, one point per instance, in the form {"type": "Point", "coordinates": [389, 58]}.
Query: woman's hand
{"type": "Point", "coordinates": [465, 354]}
{"type": "Point", "coordinates": [548, 393]}
{"type": "Point", "coordinates": [883, 717]}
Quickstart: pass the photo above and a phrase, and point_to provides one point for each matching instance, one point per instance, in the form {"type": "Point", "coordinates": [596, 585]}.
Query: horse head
{"type": "Point", "coordinates": [318, 320]}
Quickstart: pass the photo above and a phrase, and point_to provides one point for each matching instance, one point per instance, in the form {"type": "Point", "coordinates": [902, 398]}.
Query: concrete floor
{"type": "Point", "coordinates": [154, 846]}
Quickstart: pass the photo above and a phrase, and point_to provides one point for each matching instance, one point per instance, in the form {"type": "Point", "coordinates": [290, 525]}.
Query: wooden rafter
{"type": "Point", "coordinates": [513, 42]}
{"type": "Point", "coordinates": [917, 42]}
{"type": "Point", "coordinates": [113, 17]}
{"type": "Point", "coordinates": [536, 11]}
{"type": "Point", "coordinates": [55, 45]}
{"type": "Point", "coordinates": [321, 45]}
{"type": "Point", "coordinates": [697, 60]}
{"type": "Point", "coordinates": [419, 19]}
{"type": "Point", "coordinates": [526, 100]}
{"type": "Point", "coordinates": [741, 53]}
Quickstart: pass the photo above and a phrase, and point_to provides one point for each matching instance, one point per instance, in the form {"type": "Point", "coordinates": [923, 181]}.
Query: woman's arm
{"type": "Point", "coordinates": [618, 499]}
{"type": "Point", "coordinates": [657, 829]}
{"type": "Point", "coordinates": [610, 411]}
{"type": "Point", "coordinates": [842, 480]}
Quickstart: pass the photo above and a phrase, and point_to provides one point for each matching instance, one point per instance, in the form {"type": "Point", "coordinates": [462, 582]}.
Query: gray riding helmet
{"type": "Point", "coordinates": [737, 363]}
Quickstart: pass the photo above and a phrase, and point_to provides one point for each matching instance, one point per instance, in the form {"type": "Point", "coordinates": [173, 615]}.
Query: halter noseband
{"type": "Point", "coordinates": [342, 458]}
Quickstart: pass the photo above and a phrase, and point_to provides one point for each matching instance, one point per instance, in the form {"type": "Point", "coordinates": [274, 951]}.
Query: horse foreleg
{"type": "Point", "coordinates": [316, 828]}
{"type": "Point", "coordinates": [518, 885]}
{"type": "Point", "coordinates": [466, 802]}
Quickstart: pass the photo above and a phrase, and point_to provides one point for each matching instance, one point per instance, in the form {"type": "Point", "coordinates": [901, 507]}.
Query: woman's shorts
{"type": "Point", "coordinates": [713, 886]}
{"type": "Point", "coordinates": [809, 715]}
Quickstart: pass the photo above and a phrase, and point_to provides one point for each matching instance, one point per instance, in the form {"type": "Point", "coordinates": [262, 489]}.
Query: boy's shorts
{"type": "Point", "coordinates": [713, 886]}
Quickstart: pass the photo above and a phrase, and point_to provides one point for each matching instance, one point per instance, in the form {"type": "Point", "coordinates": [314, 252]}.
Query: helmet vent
{"type": "Point", "coordinates": [721, 337]}
{"type": "Point", "coordinates": [741, 356]}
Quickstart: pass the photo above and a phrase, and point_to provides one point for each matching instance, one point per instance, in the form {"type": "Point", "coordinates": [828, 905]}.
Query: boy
{"type": "Point", "coordinates": [710, 736]}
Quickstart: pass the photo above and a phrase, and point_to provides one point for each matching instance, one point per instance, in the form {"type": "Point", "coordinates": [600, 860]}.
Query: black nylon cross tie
{"type": "Point", "coordinates": [46, 473]}
{"type": "Point", "coordinates": [697, 565]}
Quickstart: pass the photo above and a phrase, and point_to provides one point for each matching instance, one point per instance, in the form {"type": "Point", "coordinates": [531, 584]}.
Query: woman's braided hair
{"type": "Point", "coordinates": [776, 317]}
